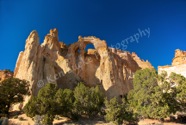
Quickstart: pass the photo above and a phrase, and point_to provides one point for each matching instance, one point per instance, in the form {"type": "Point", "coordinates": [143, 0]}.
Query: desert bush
{"type": "Point", "coordinates": [117, 112]}
{"type": "Point", "coordinates": [88, 101]}
{"type": "Point", "coordinates": [12, 91]}
{"type": "Point", "coordinates": [147, 99]}
{"type": "Point", "coordinates": [64, 99]}
{"type": "Point", "coordinates": [43, 104]}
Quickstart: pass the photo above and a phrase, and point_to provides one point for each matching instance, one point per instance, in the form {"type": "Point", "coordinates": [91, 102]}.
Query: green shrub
{"type": "Point", "coordinates": [118, 112]}
{"type": "Point", "coordinates": [88, 101]}
{"type": "Point", "coordinates": [52, 101]}
{"type": "Point", "coordinates": [43, 104]}
{"type": "Point", "coordinates": [147, 98]}
{"type": "Point", "coordinates": [64, 99]}
{"type": "Point", "coordinates": [12, 91]}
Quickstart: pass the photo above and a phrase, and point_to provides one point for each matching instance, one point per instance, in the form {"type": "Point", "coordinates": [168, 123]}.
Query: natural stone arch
{"type": "Point", "coordinates": [80, 47]}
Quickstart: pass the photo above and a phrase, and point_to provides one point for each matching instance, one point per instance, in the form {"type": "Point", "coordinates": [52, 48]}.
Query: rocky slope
{"type": "Point", "coordinates": [178, 64]}
{"type": "Point", "coordinates": [55, 62]}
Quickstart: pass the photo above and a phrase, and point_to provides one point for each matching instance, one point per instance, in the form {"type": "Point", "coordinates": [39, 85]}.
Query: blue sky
{"type": "Point", "coordinates": [113, 21]}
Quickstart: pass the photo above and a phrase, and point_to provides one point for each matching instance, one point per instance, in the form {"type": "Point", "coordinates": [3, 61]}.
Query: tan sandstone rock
{"type": "Point", "coordinates": [5, 74]}
{"type": "Point", "coordinates": [55, 62]}
{"type": "Point", "coordinates": [143, 64]}
{"type": "Point", "coordinates": [179, 58]}
{"type": "Point", "coordinates": [178, 64]}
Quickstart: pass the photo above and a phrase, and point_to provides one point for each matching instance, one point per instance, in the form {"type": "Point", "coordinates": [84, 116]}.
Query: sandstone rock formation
{"type": "Point", "coordinates": [4, 74]}
{"type": "Point", "coordinates": [55, 62]}
{"type": "Point", "coordinates": [178, 64]}
{"type": "Point", "coordinates": [179, 58]}
{"type": "Point", "coordinates": [143, 64]}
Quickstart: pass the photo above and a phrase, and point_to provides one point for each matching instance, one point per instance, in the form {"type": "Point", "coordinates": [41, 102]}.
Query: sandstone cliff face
{"type": "Point", "coordinates": [179, 58]}
{"type": "Point", "coordinates": [178, 64]}
{"type": "Point", "coordinates": [143, 64]}
{"type": "Point", "coordinates": [55, 62]}
{"type": "Point", "coordinates": [5, 74]}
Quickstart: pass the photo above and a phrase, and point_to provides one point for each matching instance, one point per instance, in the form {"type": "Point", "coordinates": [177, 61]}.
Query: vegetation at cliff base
{"type": "Point", "coordinates": [118, 112]}
{"type": "Point", "coordinates": [52, 101]}
{"type": "Point", "coordinates": [12, 91]}
{"type": "Point", "coordinates": [153, 96]}
{"type": "Point", "coordinates": [180, 92]}
{"type": "Point", "coordinates": [147, 99]}
{"type": "Point", "coordinates": [157, 96]}
{"type": "Point", "coordinates": [65, 101]}
{"type": "Point", "coordinates": [88, 101]}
